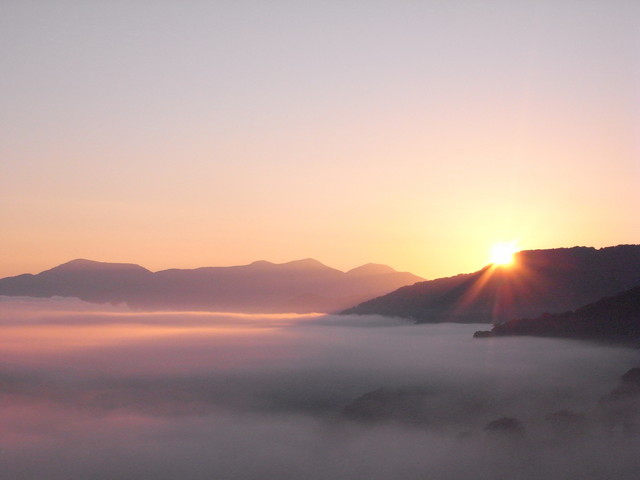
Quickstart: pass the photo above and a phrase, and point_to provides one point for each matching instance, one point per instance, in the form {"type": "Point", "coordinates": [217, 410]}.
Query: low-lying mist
{"type": "Point", "coordinates": [108, 393]}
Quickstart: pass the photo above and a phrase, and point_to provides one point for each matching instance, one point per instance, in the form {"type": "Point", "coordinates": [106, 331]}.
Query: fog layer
{"type": "Point", "coordinates": [116, 394]}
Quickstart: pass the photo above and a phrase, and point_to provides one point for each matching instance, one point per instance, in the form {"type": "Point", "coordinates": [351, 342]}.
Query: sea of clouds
{"type": "Point", "coordinates": [105, 393]}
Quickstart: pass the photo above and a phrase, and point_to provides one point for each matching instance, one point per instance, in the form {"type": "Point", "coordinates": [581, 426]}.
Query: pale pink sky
{"type": "Point", "coordinates": [416, 134]}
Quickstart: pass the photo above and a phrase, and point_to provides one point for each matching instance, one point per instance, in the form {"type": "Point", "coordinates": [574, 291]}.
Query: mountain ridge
{"type": "Point", "coordinates": [615, 317]}
{"type": "Point", "coordinates": [85, 264]}
{"type": "Point", "coordinates": [539, 281]}
{"type": "Point", "coordinates": [300, 286]}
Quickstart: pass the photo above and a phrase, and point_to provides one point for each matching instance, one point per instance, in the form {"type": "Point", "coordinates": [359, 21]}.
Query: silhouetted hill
{"type": "Point", "coordinates": [85, 279]}
{"type": "Point", "coordinates": [539, 281]}
{"type": "Point", "coordinates": [371, 269]}
{"type": "Point", "coordinates": [615, 317]}
{"type": "Point", "coordinates": [299, 286]}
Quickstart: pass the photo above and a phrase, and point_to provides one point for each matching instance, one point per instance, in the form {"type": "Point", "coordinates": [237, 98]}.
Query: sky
{"type": "Point", "coordinates": [415, 134]}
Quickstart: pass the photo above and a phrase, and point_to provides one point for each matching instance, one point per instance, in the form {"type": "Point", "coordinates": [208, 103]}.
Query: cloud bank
{"type": "Point", "coordinates": [117, 394]}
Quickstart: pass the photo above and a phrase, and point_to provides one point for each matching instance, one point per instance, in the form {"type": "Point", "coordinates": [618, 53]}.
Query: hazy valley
{"type": "Point", "coordinates": [324, 397]}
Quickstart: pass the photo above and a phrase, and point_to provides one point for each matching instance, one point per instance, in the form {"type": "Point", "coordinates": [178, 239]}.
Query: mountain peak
{"type": "Point", "coordinates": [305, 263]}
{"type": "Point", "coordinates": [261, 263]}
{"type": "Point", "coordinates": [371, 269]}
{"type": "Point", "coordinates": [82, 264]}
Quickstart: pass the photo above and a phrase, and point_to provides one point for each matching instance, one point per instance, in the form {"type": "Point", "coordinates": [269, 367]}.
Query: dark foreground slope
{"type": "Point", "coordinates": [299, 286]}
{"type": "Point", "coordinates": [616, 318]}
{"type": "Point", "coordinates": [539, 281]}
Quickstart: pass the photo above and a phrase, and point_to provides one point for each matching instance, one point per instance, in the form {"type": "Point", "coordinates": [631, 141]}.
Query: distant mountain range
{"type": "Point", "coordinates": [615, 318]}
{"type": "Point", "coordinates": [300, 286]}
{"type": "Point", "coordinates": [539, 281]}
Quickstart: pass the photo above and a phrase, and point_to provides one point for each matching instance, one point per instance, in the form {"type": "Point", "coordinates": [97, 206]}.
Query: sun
{"type": "Point", "coordinates": [502, 253]}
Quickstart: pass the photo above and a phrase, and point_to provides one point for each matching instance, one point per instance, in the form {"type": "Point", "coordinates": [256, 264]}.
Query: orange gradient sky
{"type": "Point", "coordinates": [415, 134]}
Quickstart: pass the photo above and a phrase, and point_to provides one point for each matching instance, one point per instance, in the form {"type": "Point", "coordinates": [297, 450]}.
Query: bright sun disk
{"type": "Point", "coordinates": [502, 253]}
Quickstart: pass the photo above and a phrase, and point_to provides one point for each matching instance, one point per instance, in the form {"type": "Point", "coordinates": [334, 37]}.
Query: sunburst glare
{"type": "Point", "coordinates": [502, 253]}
